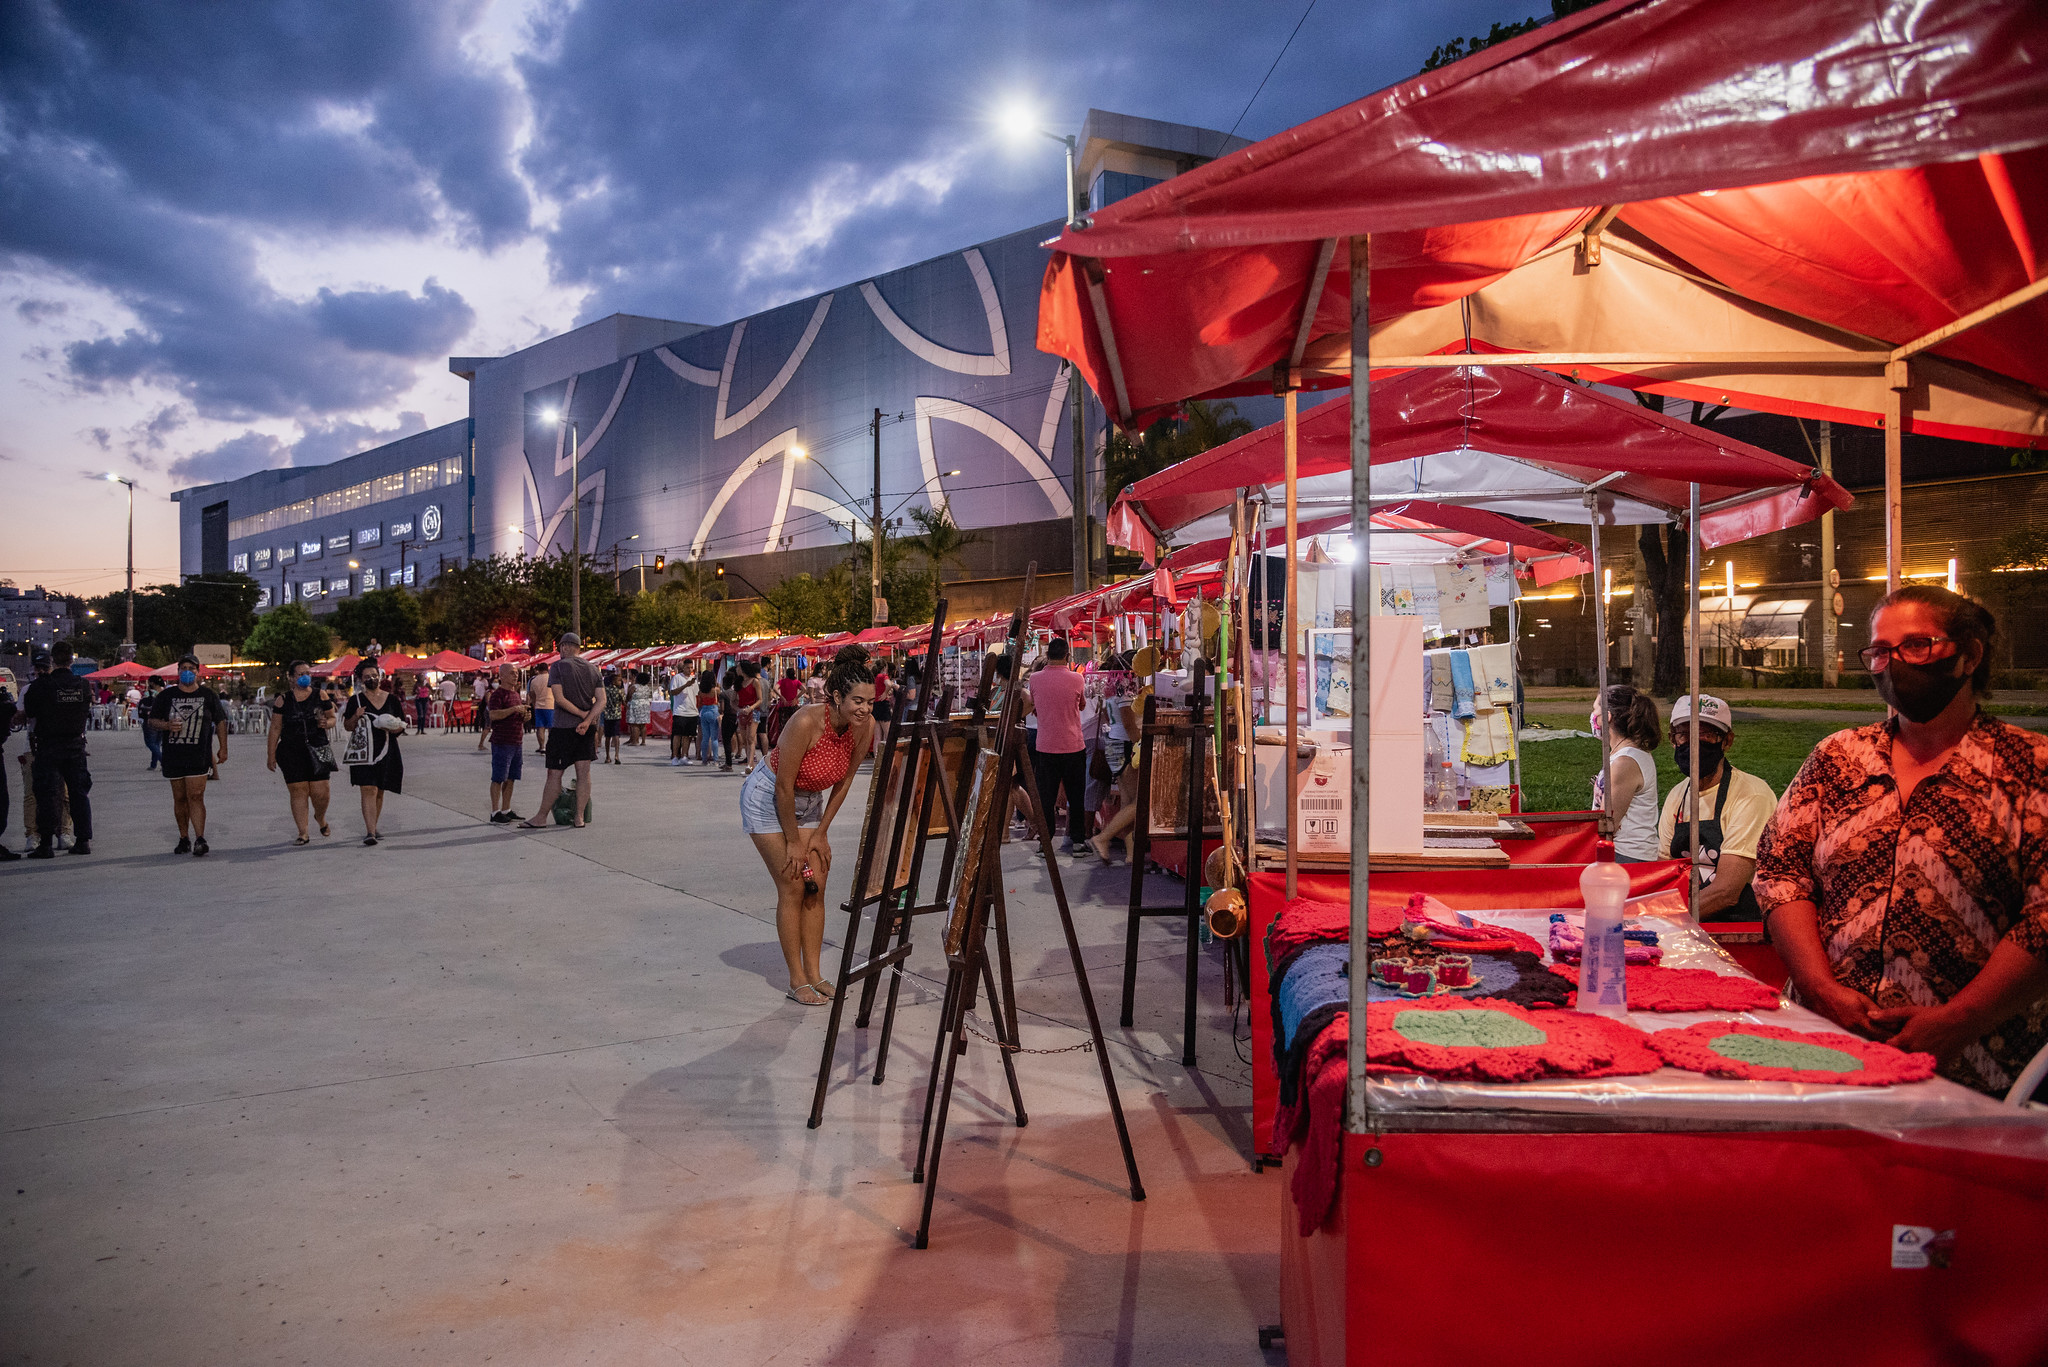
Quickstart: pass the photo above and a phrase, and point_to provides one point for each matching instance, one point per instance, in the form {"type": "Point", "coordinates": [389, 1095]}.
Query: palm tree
{"type": "Point", "coordinates": [1201, 426]}
{"type": "Point", "coordinates": [695, 579]}
{"type": "Point", "coordinates": [940, 541]}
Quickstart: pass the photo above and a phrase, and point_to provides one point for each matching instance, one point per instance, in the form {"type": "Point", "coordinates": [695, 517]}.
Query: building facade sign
{"type": "Point", "coordinates": [263, 598]}
{"type": "Point", "coordinates": [338, 542]}
{"type": "Point", "coordinates": [370, 536]}
{"type": "Point", "coordinates": [401, 530]}
{"type": "Point", "coordinates": [286, 594]}
{"type": "Point", "coordinates": [339, 586]}
{"type": "Point", "coordinates": [239, 563]}
{"type": "Point", "coordinates": [312, 588]}
{"type": "Point", "coordinates": [287, 554]}
{"type": "Point", "coordinates": [309, 548]}
{"type": "Point", "coordinates": [369, 580]}
{"type": "Point", "coordinates": [430, 522]}
{"type": "Point", "coordinates": [261, 557]}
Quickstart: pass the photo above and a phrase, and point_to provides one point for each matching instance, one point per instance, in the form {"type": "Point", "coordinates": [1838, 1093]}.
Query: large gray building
{"type": "Point", "coordinates": [750, 442]}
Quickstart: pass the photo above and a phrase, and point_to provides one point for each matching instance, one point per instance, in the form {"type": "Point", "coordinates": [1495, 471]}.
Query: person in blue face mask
{"type": "Point", "coordinates": [301, 748]}
{"type": "Point", "coordinates": [192, 723]}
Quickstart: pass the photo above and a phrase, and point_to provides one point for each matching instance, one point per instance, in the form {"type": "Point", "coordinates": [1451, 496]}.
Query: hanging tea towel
{"type": "Point", "coordinates": [1493, 668]}
{"type": "Point", "coordinates": [1461, 685]}
{"type": "Point", "coordinates": [1440, 690]}
{"type": "Point", "coordinates": [1489, 738]}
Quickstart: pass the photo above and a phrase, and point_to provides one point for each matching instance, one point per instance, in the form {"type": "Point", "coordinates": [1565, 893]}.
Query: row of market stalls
{"type": "Point", "coordinates": [1831, 211]}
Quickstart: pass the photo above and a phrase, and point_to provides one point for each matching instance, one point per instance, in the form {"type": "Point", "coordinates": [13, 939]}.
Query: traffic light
{"type": "Point", "coordinates": [660, 563]}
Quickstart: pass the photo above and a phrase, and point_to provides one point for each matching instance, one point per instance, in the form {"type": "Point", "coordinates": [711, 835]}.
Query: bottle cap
{"type": "Point", "coordinates": [1603, 852]}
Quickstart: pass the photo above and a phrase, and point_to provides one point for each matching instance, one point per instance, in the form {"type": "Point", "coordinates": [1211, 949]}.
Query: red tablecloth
{"type": "Point", "coordinates": [1460, 889]}
{"type": "Point", "coordinates": [1683, 1250]}
{"type": "Point", "coordinates": [1571, 841]}
{"type": "Point", "coordinates": [660, 723]}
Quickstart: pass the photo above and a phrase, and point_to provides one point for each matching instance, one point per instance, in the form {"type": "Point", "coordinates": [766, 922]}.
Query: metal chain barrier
{"type": "Point", "coordinates": [1086, 1046]}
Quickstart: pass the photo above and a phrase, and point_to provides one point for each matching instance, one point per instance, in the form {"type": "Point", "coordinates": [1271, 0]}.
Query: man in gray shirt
{"type": "Point", "coordinates": [578, 695]}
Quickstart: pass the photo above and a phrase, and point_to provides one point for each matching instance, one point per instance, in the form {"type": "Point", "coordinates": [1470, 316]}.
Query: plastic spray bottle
{"type": "Point", "coordinates": [1603, 979]}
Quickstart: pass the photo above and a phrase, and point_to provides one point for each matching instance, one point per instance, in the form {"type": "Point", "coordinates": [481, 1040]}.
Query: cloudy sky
{"type": "Point", "coordinates": [245, 235]}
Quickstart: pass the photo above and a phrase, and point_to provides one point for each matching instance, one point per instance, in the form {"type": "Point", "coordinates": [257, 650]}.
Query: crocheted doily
{"type": "Point", "coordinates": [1487, 1040]}
{"type": "Point", "coordinates": [1651, 988]}
{"type": "Point", "coordinates": [1771, 1053]}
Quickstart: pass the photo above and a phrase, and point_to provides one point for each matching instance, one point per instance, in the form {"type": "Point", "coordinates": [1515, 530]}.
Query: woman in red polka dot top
{"type": "Point", "coordinates": [787, 806]}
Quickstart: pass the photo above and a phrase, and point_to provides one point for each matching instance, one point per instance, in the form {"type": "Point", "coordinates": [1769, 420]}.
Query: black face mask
{"type": "Point", "coordinates": [1919, 692]}
{"type": "Point", "coordinates": [1710, 758]}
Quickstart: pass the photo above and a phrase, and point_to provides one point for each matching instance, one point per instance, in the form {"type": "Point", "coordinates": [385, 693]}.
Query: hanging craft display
{"type": "Point", "coordinates": [1771, 1053]}
{"type": "Point", "coordinates": [1654, 988]}
{"type": "Point", "coordinates": [1487, 1040]}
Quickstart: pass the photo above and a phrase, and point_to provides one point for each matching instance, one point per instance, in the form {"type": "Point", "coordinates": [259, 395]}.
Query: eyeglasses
{"type": "Point", "coordinates": [1914, 650]}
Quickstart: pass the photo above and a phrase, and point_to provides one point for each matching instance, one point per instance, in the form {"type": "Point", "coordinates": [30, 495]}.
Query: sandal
{"type": "Point", "coordinates": [813, 1000]}
{"type": "Point", "coordinates": [324, 831]}
{"type": "Point", "coordinates": [303, 840]}
{"type": "Point", "coordinates": [823, 989]}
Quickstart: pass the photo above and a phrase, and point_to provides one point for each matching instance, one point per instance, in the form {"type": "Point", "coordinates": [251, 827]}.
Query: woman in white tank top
{"type": "Point", "coordinates": [1633, 731]}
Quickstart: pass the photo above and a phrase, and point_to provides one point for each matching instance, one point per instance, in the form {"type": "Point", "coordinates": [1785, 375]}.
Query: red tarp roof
{"type": "Point", "coordinates": [455, 662]}
{"type": "Point", "coordinates": [1505, 438]}
{"type": "Point", "coordinates": [1838, 177]}
{"type": "Point", "coordinates": [127, 669]}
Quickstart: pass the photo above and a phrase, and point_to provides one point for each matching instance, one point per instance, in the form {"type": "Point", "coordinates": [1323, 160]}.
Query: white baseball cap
{"type": "Point", "coordinates": [1713, 712]}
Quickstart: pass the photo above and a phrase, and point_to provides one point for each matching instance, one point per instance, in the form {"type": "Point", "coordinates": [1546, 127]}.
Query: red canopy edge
{"type": "Point", "coordinates": [1538, 421]}
{"type": "Point", "coordinates": [1847, 170]}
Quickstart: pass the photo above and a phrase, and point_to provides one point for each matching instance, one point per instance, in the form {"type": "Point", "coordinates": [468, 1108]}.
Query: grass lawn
{"type": "Point", "coordinates": [1557, 775]}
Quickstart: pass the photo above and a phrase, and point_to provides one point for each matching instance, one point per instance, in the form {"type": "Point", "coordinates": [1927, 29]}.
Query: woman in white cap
{"type": "Point", "coordinates": [1734, 809]}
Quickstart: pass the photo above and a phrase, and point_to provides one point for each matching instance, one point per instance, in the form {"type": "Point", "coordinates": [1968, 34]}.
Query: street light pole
{"type": "Point", "coordinates": [128, 640]}
{"type": "Point", "coordinates": [878, 611]}
{"type": "Point", "coordinates": [575, 535]}
{"type": "Point", "coordinates": [1084, 550]}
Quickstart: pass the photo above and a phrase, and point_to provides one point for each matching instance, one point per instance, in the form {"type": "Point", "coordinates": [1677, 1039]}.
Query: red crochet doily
{"type": "Point", "coordinates": [1489, 1040]}
{"type": "Point", "coordinates": [1651, 988]}
{"type": "Point", "coordinates": [1706, 1048]}
{"type": "Point", "coordinates": [1305, 920]}
{"type": "Point", "coordinates": [1318, 1123]}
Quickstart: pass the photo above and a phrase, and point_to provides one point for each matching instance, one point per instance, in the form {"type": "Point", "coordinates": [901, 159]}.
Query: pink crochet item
{"type": "Point", "coordinates": [1771, 1053]}
{"type": "Point", "coordinates": [1652, 988]}
{"type": "Point", "coordinates": [1485, 1039]}
{"type": "Point", "coordinates": [1568, 942]}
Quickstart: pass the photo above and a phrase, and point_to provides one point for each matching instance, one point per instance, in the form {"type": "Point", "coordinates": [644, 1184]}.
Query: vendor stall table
{"type": "Point", "coordinates": [1791, 1220]}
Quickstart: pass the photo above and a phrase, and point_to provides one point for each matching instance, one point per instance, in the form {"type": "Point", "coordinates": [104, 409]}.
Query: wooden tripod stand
{"type": "Point", "coordinates": [910, 780]}
{"type": "Point", "coordinates": [1001, 771]}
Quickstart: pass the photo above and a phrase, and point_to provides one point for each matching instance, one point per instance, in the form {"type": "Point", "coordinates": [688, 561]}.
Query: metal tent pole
{"type": "Point", "coordinates": [1692, 664]}
{"type": "Point", "coordinates": [1356, 1114]}
{"type": "Point", "coordinates": [1595, 511]}
{"type": "Point", "coordinates": [1291, 610]}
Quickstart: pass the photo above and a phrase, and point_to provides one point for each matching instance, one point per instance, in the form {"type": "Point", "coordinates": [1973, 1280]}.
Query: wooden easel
{"type": "Point", "coordinates": [1002, 771]}
{"type": "Point", "coordinates": [916, 740]}
{"type": "Point", "coordinates": [1194, 734]}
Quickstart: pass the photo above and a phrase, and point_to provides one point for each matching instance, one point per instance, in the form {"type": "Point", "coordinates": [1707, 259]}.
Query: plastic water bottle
{"type": "Point", "coordinates": [1603, 980]}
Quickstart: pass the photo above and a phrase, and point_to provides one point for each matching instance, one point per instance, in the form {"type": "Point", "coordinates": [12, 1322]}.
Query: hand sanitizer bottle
{"type": "Point", "coordinates": [1603, 980]}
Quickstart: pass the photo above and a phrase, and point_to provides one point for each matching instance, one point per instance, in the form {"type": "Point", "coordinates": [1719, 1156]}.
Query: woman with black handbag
{"type": "Point", "coordinates": [300, 718]}
{"type": "Point", "coordinates": [374, 719]}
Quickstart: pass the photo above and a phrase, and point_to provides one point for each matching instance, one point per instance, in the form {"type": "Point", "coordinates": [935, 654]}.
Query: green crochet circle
{"type": "Point", "coordinates": [1475, 1028]}
{"type": "Point", "coordinates": [1761, 1051]}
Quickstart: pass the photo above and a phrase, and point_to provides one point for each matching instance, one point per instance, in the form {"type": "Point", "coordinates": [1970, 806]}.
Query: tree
{"type": "Point", "coordinates": [655, 619]}
{"type": "Point", "coordinates": [801, 606]}
{"type": "Point", "coordinates": [1457, 48]}
{"type": "Point", "coordinates": [1666, 549]}
{"type": "Point", "coordinates": [941, 542]}
{"type": "Point", "coordinates": [285, 634]}
{"type": "Point", "coordinates": [606, 611]}
{"type": "Point", "coordinates": [209, 608]}
{"type": "Point", "coordinates": [481, 600]}
{"type": "Point", "coordinates": [391, 616]}
{"type": "Point", "coordinates": [1200, 426]}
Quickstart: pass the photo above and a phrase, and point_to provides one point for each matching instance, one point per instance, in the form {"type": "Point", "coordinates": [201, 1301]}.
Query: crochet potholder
{"type": "Point", "coordinates": [1771, 1053]}
{"type": "Point", "coordinates": [1651, 988]}
{"type": "Point", "coordinates": [1304, 920]}
{"type": "Point", "coordinates": [1487, 1040]}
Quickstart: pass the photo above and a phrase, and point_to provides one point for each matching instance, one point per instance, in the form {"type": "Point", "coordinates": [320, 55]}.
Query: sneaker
{"type": "Point", "coordinates": [42, 852]}
{"type": "Point", "coordinates": [7, 856]}
{"type": "Point", "coordinates": [200, 847]}
{"type": "Point", "coordinates": [82, 847]}
{"type": "Point", "coordinates": [497, 818]}
{"type": "Point", "coordinates": [184, 845]}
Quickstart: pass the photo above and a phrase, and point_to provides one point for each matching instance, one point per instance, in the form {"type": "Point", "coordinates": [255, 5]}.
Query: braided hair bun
{"type": "Point", "coordinates": [849, 667]}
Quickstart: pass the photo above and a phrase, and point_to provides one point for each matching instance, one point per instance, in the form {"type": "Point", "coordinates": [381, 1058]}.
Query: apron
{"type": "Point", "coordinates": [1746, 907]}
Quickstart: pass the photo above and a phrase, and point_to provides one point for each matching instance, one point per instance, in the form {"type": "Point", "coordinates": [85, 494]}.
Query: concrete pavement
{"type": "Point", "coordinates": [477, 1096]}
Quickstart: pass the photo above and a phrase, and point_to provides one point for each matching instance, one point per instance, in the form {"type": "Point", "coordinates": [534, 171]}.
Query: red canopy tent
{"type": "Point", "coordinates": [1830, 210]}
{"type": "Point", "coordinates": [127, 669]}
{"type": "Point", "coordinates": [455, 662]}
{"type": "Point", "coordinates": [1503, 438]}
{"type": "Point", "coordinates": [393, 662]}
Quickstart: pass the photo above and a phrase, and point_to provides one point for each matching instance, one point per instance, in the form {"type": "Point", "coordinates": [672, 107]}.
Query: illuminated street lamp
{"type": "Point", "coordinates": [1020, 121]}
{"type": "Point", "coordinates": [128, 640]}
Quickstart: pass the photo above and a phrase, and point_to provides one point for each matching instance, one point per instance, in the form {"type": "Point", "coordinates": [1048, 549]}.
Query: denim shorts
{"type": "Point", "coordinates": [757, 804]}
{"type": "Point", "coordinates": [507, 761]}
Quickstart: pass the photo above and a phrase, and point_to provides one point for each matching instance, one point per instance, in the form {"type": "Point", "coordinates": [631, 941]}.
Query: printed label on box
{"type": "Point", "coordinates": [1916, 1246]}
